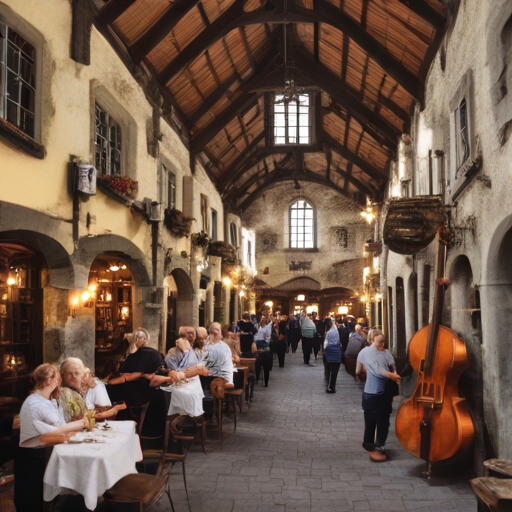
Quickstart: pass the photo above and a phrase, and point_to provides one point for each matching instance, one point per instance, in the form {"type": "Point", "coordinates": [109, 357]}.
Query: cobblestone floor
{"type": "Point", "coordinates": [299, 449]}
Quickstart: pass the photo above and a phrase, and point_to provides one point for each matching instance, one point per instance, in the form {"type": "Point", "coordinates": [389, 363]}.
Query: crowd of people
{"type": "Point", "coordinates": [172, 384]}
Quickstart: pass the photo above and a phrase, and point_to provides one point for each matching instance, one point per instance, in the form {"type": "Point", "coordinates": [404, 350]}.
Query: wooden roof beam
{"type": "Point", "coordinates": [343, 151]}
{"type": "Point", "coordinates": [243, 103]}
{"type": "Point", "coordinates": [308, 176]}
{"type": "Point", "coordinates": [239, 160]}
{"type": "Point", "coordinates": [155, 34]}
{"type": "Point", "coordinates": [110, 11]}
{"type": "Point", "coordinates": [327, 13]}
{"type": "Point", "coordinates": [311, 73]}
{"type": "Point", "coordinates": [423, 10]}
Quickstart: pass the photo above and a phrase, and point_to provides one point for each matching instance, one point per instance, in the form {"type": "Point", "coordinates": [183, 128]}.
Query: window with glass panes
{"type": "Point", "coordinates": [302, 226]}
{"type": "Point", "coordinates": [107, 142]}
{"type": "Point", "coordinates": [17, 80]}
{"type": "Point", "coordinates": [171, 188]}
{"type": "Point", "coordinates": [292, 123]}
{"type": "Point", "coordinates": [462, 133]}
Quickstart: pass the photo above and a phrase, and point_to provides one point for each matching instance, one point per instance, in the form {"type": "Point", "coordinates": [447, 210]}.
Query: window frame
{"type": "Point", "coordinates": [171, 192]}
{"type": "Point", "coordinates": [313, 225]}
{"type": "Point", "coordinates": [233, 234]}
{"type": "Point", "coordinates": [111, 123]}
{"type": "Point", "coordinates": [31, 145]}
{"type": "Point", "coordinates": [271, 103]}
{"type": "Point", "coordinates": [214, 221]}
{"type": "Point", "coordinates": [204, 213]}
{"type": "Point", "coordinates": [462, 173]}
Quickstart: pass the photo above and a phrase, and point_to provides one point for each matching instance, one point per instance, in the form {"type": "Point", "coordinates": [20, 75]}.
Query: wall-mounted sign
{"type": "Point", "coordinates": [86, 182]}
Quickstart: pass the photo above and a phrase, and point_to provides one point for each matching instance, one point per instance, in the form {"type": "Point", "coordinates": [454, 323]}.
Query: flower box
{"type": "Point", "coordinates": [177, 223]}
{"type": "Point", "coordinates": [223, 250]}
{"type": "Point", "coordinates": [121, 186]}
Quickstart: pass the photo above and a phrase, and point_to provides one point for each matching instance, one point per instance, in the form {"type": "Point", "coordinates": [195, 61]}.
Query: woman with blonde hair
{"type": "Point", "coordinates": [39, 415]}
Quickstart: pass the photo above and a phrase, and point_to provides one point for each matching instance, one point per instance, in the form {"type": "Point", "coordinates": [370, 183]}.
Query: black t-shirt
{"type": "Point", "coordinates": [145, 360]}
{"type": "Point", "coordinates": [247, 327]}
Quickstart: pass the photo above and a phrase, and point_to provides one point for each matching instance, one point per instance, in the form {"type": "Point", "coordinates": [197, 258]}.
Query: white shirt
{"type": "Point", "coordinates": [38, 416]}
{"type": "Point", "coordinates": [97, 395]}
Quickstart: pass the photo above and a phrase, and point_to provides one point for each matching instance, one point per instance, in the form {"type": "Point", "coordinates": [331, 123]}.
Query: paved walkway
{"type": "Point", "coordinates": [299, 449]}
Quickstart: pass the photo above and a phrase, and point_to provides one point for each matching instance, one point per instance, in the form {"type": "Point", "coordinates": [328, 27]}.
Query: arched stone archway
{"type": "Point", "coordinates": [496, 297]}
{"type": "Point", "coordinates": [90, 247]}
{"type": "Point", "coordinates": [62, 274]}
{"type": "Point", "coordinates": [182, 304]}
{"type": "Point", "coordinates": [465, 321]}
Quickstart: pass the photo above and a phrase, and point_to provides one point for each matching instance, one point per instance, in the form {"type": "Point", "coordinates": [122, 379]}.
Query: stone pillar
{"type": "Point", "coordinates": [217, 293]}
{"type": "Point", "coordinates": [209, 304]}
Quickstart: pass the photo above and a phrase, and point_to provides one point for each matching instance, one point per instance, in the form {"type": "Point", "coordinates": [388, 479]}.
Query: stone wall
{"type": "Point", "coordinates": [475, 60]}
{"type": "Point", "coordinates": [341, 236]}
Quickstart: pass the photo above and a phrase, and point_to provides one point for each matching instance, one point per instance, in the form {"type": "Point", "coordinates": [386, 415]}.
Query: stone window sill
{"type": "Point", "coordinates": [314, 249]}
{"type": "Point", "coordinates": [16, 137]}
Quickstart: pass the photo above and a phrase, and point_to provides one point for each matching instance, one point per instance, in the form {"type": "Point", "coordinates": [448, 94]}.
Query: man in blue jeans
{"type": "Point", "coordinates": [379, 390]}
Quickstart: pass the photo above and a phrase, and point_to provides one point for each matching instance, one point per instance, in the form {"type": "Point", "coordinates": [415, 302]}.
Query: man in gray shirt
{"type": "Point", "coordinates": [377, 395]}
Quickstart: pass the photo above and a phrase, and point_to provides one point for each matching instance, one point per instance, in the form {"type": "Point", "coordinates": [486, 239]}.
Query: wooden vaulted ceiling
{"type": "Point", "coordinates": [219, 61]}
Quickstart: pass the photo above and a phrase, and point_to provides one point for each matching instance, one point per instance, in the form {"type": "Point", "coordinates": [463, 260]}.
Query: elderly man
{"type": "Point", "coordinates": [217, 355]}
{"type": "Point", "coordinates": [202, 335]}
{"type": "Point", "coordinates": [181, 356]}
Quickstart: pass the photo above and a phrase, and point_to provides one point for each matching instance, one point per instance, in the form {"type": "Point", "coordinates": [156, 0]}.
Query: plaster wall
{"type": "Point", "coordinates": [473, 45]}
{"type": "Point", "coordinates": [68, 94]}
{"type": "Point", "coordinates": [268, 216]}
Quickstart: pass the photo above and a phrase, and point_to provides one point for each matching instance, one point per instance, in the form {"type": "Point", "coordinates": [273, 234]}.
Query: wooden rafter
{"type": "Point", "coordinates": [243, 103]}
{"type": "Point", "coordinates": [343, 151]}
{"type": "Point", "coordinates": [285, 175]}
{"type": "Point", "coordinates": [160, 29]}
{"type": "Point", "coordinates": [110, 11]}
{"type": "Point", "coordinates": [327, 13]}
{"type": "Point", "coordinates": [423, 10]}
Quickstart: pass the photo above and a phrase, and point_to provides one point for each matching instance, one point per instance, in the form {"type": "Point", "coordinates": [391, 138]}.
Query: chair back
{"type": "Point", "coordinates": [180, 433]}
{"type": "Point", "coordinates": [137, 413]}
{"type": "Point", "coordinates": [246, 341]}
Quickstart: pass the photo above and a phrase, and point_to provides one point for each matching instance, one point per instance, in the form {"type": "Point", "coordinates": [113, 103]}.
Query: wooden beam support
{"type": "Point", "coordinates": [308, 176]}
{"type": "Point", "coordinates": [242, 157]}
{"type": "Point", "coordinates": [203, 14]}
{"type": "Point", "coordinates": [247, 49]}
{"type": "Point", "coordinates": [316, 41]}
{"type": "Point", "coordinates": [366, 167]}
{"type": "Point", "coordinates": [110, 11]}
{"type": "Point", "coordinates": [311, 73]}
{"type": "Point", "coordinates": [243, 103]}
{"type": "Point", "coordinates": [423, 9]}
{"type": "Point", "coordinates": [327, 13]}
{"type": "Point", "coordinates": [160, 29]}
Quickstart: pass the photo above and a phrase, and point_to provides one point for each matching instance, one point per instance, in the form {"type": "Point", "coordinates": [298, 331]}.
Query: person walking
{"type": "Point", "coordinates": [294, 333]}
{"type": "Point", "coordinates": [379, 390]}
{"type": "Point", "coordinates": [319, 336]}
{"type": "Point", "coordinates": [308, 330]}
{"type": "Point", "coordinates": [344, 333]}
{"type": "Point", "coordinates": [332, 356]}
{"type": "Point", "coordinates": [281, 343]}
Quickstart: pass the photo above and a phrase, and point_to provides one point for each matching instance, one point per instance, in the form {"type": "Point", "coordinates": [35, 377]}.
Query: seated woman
{"type": "Point", "coordinates": [39, 415]}
{"type": "Point", "coordinates": [261, 345]}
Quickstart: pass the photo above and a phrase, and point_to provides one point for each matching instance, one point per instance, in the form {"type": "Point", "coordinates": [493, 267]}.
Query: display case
{"type": "Point", "coordinates": [114, 314]}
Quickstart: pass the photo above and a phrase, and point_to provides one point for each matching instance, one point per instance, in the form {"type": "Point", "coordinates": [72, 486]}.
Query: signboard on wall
{"type": "Point", "coordinates": [86, 182]}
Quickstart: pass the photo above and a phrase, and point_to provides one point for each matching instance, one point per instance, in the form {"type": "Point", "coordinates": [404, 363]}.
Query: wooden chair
{"type": "Point", "coordinates": [234, 395]}
{"type": "Point", "coordinates": [180, 433]}
{"type": "Point", "coordinates": [141, 489]}
{"type": "Point", "coordinates": [495, 493]}
{"type": "Point", "coordinates": [249, 363]}
{"type": "Point", "coordinates": [137, 413]}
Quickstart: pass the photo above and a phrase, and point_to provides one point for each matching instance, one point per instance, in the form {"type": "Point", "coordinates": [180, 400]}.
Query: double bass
{"type": "Point", "coordinates": [434, 424]}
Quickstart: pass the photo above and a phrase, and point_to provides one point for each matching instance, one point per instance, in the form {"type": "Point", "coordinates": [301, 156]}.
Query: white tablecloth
{"type": "Point", "coordinates": [187, 398]}
{"type": "Point", "coordinates": [90, 469]}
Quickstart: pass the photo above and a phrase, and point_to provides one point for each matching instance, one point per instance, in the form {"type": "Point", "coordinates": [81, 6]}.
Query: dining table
{"type": "Point", "coordinates": [92, 462]}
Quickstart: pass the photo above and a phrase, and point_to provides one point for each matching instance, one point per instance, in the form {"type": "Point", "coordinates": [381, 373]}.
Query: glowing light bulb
{"type": "Point", "coordinates": [11, 281]}
{"type": "Point", "coordinates": [109, 297]}
{"type": "Point", "coordinates": [85, 296]}
{"type": "Point", "coordinates": [242, 293]}
{"type": "Point", "coordinates": [125, 311]}
{"type": "Point", "coordinates": [75, 301]}
{"type": "Point", "coordinates": [114, 268]}
{"type": "Point", "coordinates": [227, 281]}
{"type": "Point", "coordinates": [92, 288]}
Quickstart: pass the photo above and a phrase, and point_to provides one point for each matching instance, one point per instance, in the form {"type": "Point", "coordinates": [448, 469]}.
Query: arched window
{"type": "Point", "coordinates": [302, 226]}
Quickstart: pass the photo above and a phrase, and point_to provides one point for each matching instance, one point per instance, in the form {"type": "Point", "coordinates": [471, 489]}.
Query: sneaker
{"type": "Point", "coordinates": [376, 456]}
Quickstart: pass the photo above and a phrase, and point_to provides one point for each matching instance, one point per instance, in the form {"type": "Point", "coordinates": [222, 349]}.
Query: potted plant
{"type": "Point", "coordinates": [121, 186]}
{"type": "Point", "coordinates": [177, 223]}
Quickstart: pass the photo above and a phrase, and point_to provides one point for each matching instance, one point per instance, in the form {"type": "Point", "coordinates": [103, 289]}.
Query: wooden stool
{"type": "Point", "coordinates": [496, 493]}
